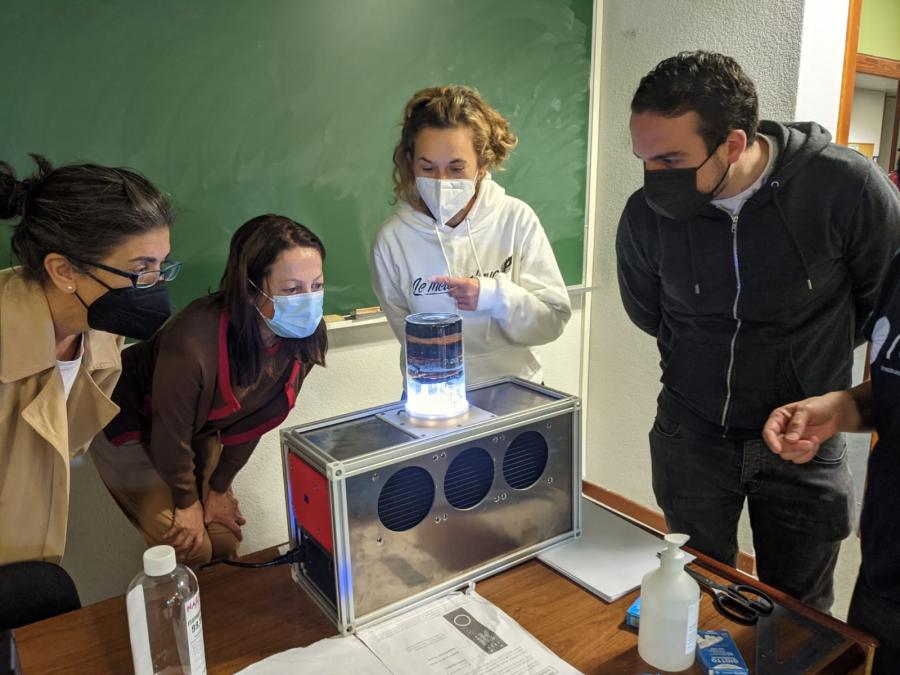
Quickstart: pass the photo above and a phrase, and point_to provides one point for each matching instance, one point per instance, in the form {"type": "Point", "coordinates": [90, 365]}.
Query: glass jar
{"type": "Point", "coordinates": [435, 372]}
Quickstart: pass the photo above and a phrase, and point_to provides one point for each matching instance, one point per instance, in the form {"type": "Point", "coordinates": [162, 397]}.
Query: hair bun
{"type": "Point", "coordinates": [13, 193]}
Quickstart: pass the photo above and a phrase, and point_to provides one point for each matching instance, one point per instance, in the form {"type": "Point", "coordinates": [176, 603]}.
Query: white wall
{"type": "Point", "coordinates": [865, 120]}
{"type": "Point", "coordinates": [822, 62]}
{"type": "Point", "coordinates": [886, 154]}
{"type": "Point", "coordinates": [104, 551]}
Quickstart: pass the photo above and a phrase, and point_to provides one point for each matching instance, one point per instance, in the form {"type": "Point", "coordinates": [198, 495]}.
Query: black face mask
{"type": "Point", "coordinates": [136, 313]}
{"type": "Point", "coordinates": [673, 193]}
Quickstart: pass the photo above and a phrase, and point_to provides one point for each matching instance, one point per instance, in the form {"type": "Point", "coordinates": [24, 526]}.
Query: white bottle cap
{"type": "Point", "coordinates": [674, 542]}
{"type": "Point", "coordinates": [159, 561]}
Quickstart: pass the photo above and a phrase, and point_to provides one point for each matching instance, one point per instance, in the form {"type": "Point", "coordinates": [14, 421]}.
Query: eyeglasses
{"type": "Point", "coordinates": [147, 279]}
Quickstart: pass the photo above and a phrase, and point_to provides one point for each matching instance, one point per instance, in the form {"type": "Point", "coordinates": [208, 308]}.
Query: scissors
{"type": "Point", "coordinates": [738, 602]}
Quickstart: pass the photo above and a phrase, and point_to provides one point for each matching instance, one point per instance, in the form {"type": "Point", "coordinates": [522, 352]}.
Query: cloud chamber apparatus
{"type": "Point", "coordinates": [394, 505]}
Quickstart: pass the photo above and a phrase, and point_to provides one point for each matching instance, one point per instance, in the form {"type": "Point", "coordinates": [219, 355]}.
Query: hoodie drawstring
{"type": "Point", "coordinates": [440, 239]}
{"type": "Point", "coordinates": [793, 237]}
{"type": "Point", "coordinates": [477, 263]}
{"type": "Point", "coordinates": [694, 276]}
{"type": "Point", "coordinates": [437, 233]}
{"type": "Point", "coordinates": [474, 250]}
{"type": "Point", "coordinates": [487, 335]}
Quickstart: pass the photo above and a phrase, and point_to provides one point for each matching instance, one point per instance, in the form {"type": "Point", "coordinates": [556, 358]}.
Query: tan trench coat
{"type": "Point", "coordinates": [39, 430]}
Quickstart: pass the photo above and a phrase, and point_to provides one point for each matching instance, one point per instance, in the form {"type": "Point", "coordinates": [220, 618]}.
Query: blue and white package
{"type": "Point", "coordinates": [718, 653]}
{"type": "Point", "coordinates": [633, 615]}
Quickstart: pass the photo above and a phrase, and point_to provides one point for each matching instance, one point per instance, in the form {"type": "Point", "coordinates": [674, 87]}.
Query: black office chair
{"type": "Point", "coordinates": [34, 590]}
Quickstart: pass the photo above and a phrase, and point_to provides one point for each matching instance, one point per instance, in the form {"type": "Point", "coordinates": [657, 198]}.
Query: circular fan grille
{"type": "Point", "coordinates": [525, 460]}
{"type": "Point", "coordinates": [469, 477]}
{"type": "Point", "coordinates": [406, 498]}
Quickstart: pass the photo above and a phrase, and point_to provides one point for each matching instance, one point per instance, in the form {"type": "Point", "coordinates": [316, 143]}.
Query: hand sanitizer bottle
{"type": "Point", "coordinates": [164, 622]}
{"type": "Point", "coordinates": [670, 602]}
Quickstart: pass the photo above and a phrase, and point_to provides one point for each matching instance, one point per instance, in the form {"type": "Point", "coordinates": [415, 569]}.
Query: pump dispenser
{"type": "Point", "coordinates": [670, 603]}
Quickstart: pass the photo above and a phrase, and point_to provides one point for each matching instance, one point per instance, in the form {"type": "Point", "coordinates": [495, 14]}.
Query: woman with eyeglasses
{"type": "Point", "coordinates": [196, 398]}
{"type": "Point", "coordinates": [91, 242]}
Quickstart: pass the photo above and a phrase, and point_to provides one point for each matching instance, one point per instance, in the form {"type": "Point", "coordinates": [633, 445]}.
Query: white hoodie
{"type": "Point", "coordinates": [522, 301]}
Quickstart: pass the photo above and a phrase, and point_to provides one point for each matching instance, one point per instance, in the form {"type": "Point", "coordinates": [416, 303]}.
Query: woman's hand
{"type": "Point", "coordinates": [187, 531]}
{"type": "Point", "coordinates": [222, 507]}
{"type": "Point", "coordinates": [464, 290]}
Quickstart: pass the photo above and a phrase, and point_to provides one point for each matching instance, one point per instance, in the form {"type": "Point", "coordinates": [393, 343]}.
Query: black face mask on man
{"type": "Point", "coordinates": [136, 313]}
{"type": "Point", "coordinates": [673, 193]}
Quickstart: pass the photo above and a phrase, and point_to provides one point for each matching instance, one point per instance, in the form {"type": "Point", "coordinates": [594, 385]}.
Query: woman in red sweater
{"type": "Point", "coordinates": [196, 398]}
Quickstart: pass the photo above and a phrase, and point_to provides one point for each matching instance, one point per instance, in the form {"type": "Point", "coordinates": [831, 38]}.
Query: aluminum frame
{"type": "Point", "coordinates": [345, 613]}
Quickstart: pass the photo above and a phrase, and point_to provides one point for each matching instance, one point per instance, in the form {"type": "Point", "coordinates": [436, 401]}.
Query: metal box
{"type": "Point", "coordinates": [388, 512]}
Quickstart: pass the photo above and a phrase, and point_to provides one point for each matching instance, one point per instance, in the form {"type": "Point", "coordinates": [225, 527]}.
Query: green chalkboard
{"type": "Point", "coordinates": [238, 108]}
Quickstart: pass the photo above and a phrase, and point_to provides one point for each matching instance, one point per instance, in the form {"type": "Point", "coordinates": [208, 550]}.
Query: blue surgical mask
{"type": "Point", "coordinates": [296, 316]}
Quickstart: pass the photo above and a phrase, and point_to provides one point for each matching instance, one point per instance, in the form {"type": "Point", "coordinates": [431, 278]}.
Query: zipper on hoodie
{"type": "Point", "coordinates": [734, 312]}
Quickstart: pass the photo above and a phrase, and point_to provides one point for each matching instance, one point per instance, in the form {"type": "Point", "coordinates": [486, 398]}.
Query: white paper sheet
{"type": "Point", "coordinates": [332, 656]}
{"type": "Point", "coordinates": [611, 556]}
{"type": "Point", "coordinates": [460, 634]}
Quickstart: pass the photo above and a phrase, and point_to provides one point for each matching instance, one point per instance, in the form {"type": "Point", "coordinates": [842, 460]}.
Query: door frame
{"type": "Point", "coordinates": [854, 63]}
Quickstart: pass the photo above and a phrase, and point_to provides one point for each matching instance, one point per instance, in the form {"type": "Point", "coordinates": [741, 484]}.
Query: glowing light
{"type": "Point", "coordinates": [435, 372]}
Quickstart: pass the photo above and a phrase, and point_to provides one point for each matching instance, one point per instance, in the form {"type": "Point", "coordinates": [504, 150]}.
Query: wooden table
{"type": "Point", "coordinates": [249, 614]}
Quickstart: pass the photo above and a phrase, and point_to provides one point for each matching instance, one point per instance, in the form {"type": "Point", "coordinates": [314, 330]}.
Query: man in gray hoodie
{"type": "Point", "coordinates": [753, 254]}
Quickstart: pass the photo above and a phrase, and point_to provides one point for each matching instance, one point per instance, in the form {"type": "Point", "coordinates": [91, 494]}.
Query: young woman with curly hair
{"type": "Point", "coordinates": [459, 243]}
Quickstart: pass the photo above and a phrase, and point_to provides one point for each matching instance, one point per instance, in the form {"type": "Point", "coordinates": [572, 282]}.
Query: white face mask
{"type": "Point", "coordinates": [445, 198]}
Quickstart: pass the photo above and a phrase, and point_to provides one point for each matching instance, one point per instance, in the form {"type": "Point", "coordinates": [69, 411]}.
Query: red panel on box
{"type": "Point", "coordinates": [311, 505]}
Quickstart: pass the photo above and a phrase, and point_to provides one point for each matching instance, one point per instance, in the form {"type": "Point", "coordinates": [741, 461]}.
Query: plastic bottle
{"type": "Point", "coordinates": [670, 603]}
{"type": "Point", "coordinates": [164, 620]}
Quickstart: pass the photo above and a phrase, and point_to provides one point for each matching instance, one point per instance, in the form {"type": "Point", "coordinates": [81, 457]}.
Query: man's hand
{"type": "Point", "coordinates": [464, 290]}
{"type": "Point", "coordinates": [222, 507]}
{"type": "Point", "coordinates": [796, 430]}
{"type": "Point", "coordinates": [187, 531]}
